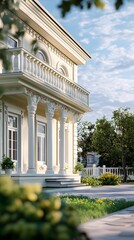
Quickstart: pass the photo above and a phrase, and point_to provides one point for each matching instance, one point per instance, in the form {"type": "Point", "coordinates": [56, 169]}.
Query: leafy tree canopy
{"type": "Point", "coordinates": [66, 5]}
{"type": "Point", "coordinates": [113, 140]}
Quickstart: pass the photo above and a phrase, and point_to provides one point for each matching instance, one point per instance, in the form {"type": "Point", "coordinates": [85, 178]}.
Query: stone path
{"type": "Point", "coordinates": [116, 226]}
{"type": "Point", "coordinates": [123, 191]}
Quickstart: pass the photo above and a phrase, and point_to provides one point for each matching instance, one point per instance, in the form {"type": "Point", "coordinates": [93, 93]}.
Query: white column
{"type": "Point", "coordinates": [63, 118]}
{"type": "Point", "coordinates": [76, 117]}
{"type": "Point", "coordinates": [49, 116]}
{"type": "Point", "coordinates": [69, 147]}
{"type": "Point", "coordinates": [32, 106]}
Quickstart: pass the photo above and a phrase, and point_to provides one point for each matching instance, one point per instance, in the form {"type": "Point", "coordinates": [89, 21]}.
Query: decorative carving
{"type": "Point", "coordinates": [77, 117]}
{"type": "Point", "coordinates": [49, 45]}
{"type": "Point", "coordinates": [64, 113]}
{"type": "Point", "coordinates": [50, 109]}
{"type": "Point", "coordinates": [32, 97]}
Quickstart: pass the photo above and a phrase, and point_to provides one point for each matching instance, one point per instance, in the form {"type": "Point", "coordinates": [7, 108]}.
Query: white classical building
{"type": "Point", "coordinates": [42, 101]}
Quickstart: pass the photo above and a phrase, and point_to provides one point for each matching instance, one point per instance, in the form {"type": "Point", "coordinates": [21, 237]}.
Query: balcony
{"type": "Point", "coordinates": [24, 62]}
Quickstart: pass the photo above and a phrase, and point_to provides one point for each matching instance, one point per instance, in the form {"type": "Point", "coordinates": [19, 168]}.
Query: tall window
{"type": "Point", "coordinates": [11, 42]}
{"type": "Point", "coordinates": [13, 136]}
{"type": "Point", "coordinates": [41, 142]}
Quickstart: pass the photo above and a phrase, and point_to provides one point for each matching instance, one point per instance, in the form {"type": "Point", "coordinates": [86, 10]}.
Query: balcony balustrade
{"type": "Point", "coordinates": [25, 62]}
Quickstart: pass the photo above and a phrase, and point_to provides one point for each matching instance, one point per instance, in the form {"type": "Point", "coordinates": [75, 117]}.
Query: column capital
{"type": "Point", "coordinates": [32, 103]}
{"type": "Point", "coordinates": [50, 109]}
{"type": "Point", "coordinates": [33, 100]}
{"type": "Point", "coordinates": [77, 117]}
{"type": "Point", "coordinates": [64, 113]}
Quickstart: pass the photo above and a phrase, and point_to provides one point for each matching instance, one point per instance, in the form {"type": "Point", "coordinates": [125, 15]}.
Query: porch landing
{"type": "Point", "coordinates": [49, 181]}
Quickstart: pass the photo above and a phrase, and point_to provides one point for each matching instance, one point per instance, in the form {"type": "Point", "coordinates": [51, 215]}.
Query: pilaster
{"type": "Point", "coordinates": [5, 129]}
{"type": "Point", "coordinates": [76, 118]}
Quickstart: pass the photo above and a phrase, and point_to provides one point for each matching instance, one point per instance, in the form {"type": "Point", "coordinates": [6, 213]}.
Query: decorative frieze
{"type": "Point", "coordinates": [37, 36]}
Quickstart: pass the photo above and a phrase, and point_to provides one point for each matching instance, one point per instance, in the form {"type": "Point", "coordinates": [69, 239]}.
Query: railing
{"type": "Point", "coordinates": [23, 61]}
{"type": "Point", "coordinates": [97, 171]}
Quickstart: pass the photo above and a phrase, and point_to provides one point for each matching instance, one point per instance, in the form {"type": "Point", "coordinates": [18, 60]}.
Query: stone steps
{"type": "Point", "coordinates": [61, 182]}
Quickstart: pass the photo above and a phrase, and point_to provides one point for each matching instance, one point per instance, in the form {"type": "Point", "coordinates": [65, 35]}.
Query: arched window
{"type": "Point", "coordinates": [42, 56]}
{"type": "Point", "coordinates": [62, 71]}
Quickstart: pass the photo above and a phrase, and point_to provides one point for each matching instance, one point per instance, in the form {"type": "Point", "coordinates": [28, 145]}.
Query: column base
{"type": "Point", "coordinates": [31, 171]}
{"type": "Point", "coordinates": [49, 172]}
{"type": "Point", "coordinates": [63, 172]}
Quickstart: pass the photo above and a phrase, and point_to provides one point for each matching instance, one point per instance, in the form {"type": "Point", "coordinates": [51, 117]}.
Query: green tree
{"type": "Point", "coordinates": [103, 142]}
{"type": "Point", "coordinates": [124, 126]}
{"type": "Point", "coordinates": [65, 6]}
{"type": "Point", "coordinates": [85, 132]}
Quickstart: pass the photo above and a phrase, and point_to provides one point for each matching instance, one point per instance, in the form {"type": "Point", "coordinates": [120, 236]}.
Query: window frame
{"type": "Point", "coordinates": [38, 134]}
{"type": "Point", "coordinates": [13, 129]}
{"type": "Point", "coordinates": [14, 39]}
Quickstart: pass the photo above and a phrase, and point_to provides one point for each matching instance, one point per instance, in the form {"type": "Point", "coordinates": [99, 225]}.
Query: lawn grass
{"type": "Point", "coordinates": [88, 208]}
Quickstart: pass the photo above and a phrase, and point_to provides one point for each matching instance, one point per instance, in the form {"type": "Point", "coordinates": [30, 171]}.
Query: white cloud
{"type": "Point", "coordinates": [109, 37]}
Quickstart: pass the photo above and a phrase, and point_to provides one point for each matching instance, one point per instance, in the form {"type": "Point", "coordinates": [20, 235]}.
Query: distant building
{"type": "Point", "coordinates": [42, 100]}
{"type": "Point", "coordinates": [92, 158]}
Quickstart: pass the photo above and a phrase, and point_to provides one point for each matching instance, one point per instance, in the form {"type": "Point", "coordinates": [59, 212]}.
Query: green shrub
{"type": "Point", "coordinates": [7, 163]}
{"type": "Point", "coordinates": [110, 179]}
{"type": "Point", "coordinates": [28, 214]}
{"type": "Point", "coordinates": [90, 181]}
{"type": "Point", "coordinates": [78, 167]}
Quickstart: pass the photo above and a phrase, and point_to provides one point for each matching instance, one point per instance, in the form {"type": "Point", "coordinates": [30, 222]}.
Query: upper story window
{"type": "Point", "coordinates": [62, 71]}
{"type": "Point", "coordinates": [42, 56]}
{"type": "Point", "coordinates": [11, 42]}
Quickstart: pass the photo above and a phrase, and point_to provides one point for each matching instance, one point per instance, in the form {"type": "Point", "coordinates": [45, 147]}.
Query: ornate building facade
{"type": "Point", "coordinates": [42, 101]}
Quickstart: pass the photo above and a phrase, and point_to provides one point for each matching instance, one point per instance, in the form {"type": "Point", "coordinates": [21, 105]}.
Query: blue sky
{"type": "Point", "coordinates": [108, 36]}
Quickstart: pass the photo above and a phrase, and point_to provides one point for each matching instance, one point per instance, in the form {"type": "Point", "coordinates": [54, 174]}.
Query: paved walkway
{"type": "Point", "coordinates": [116, 226]}
{"type": "Point", "coordinates": [123, 191]}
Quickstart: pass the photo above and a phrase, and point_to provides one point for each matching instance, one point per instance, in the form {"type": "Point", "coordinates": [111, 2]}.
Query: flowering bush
{"type": "Point", "coordinates": [28, 214]}
{"type": "Point", "coordinates": [110, 179]}
{"type": "Point", "coordinates": [90, 181]}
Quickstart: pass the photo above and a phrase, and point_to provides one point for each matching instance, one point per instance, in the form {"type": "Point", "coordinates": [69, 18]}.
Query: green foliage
{"type": "Point", "coordinates": [124, 124]}
{"type": "Point", "coordinates": [113, 140]}
{"type": "Point", "coordinates": [8, 20]}
{"type": "Point", "coordinates": [88, 208]}
{"type": "Point", "coordinates": [109, 179]}
{"type": "Point", "coordinates": [65, 6]}
{"type": "Point", "coordinates": [103, 142]}
{"type": "Point", "coordinates": [90, 181]}
{"type": "Point", "coordinates": [85, 132]}
{"type": "Point", "coordinates": [78, 167]}
{"type": "Point", "coordinates": [7, 163]}
{"type": "Point", "coordinates": [26, 213]}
